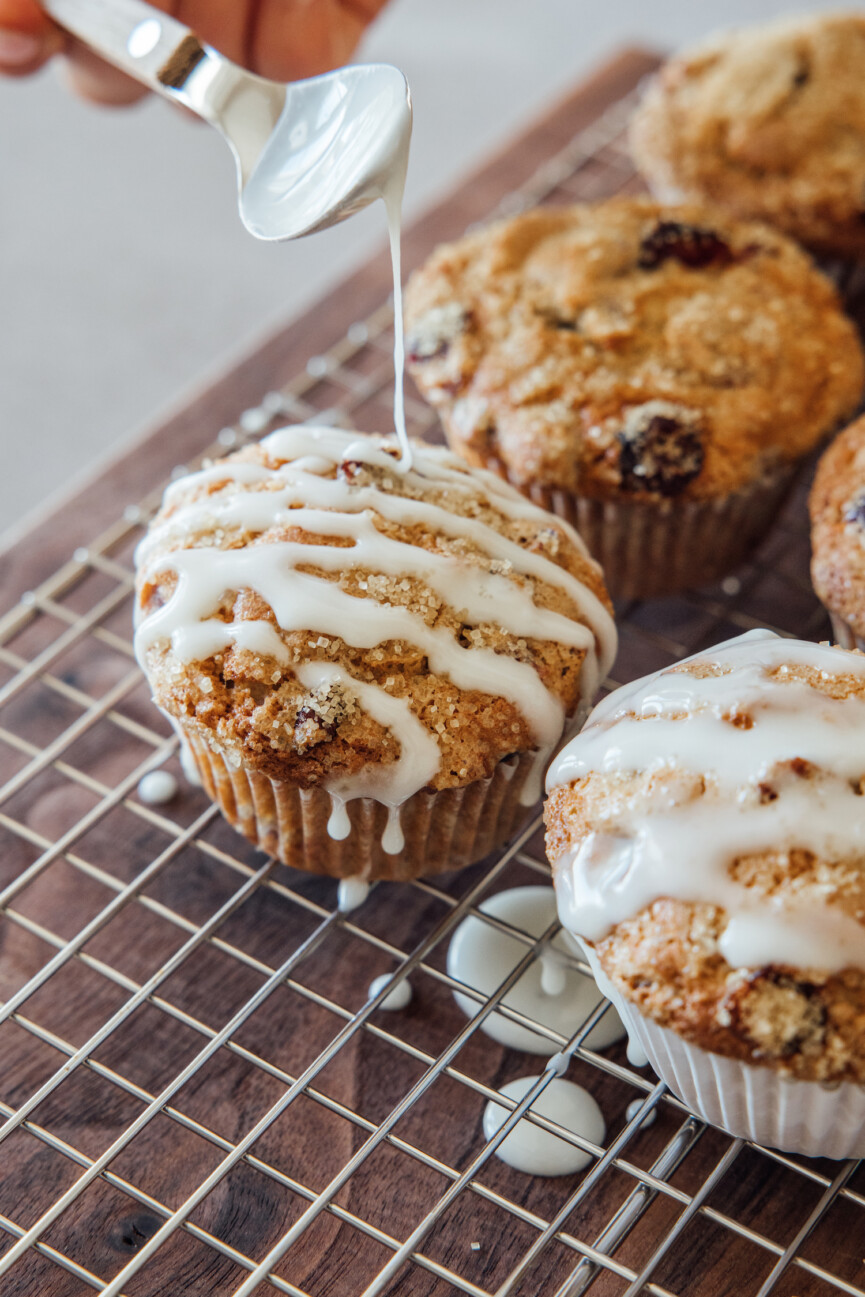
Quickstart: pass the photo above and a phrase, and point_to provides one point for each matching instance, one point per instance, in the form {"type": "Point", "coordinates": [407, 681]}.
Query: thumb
{"type": "Point", "coordinates": [28, 38]}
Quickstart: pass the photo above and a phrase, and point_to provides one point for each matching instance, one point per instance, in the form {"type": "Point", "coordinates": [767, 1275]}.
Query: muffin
{"type": "Point", "coordinates": [707, 841]}
{"type": "Point", "coordinates": [369, 664]}
{"type": "Point", "coordinates": [655, 375]}
{"type": "Point", "coordinates": [837, 506]}
{"type": "Point", "coordinates": [768, 122]}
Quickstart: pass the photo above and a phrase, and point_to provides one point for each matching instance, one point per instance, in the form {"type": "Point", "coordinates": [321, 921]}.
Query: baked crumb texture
{"type": "Point", "coordinates": [320, 618]}
{"type": "Point", "coordinates": [769, 123]}
{"type": "Point", "coordinates": [837, 506]}
{"type": "Point", "coordinates": [674, 956]}
{"type": "Point", "coordinates": [630, 351]}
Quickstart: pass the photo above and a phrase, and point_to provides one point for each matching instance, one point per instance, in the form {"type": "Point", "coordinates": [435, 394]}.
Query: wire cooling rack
{"type": "Point", "coordinates": [198, 1095]}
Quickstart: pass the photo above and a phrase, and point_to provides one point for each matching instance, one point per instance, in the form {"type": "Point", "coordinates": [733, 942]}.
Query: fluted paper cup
{"type": "Point", "coordinates": [648, 550]}
{"type": "Point", "coordinates": [443, 830]}
{"type": "Point", "coordinates": [744, 1099]}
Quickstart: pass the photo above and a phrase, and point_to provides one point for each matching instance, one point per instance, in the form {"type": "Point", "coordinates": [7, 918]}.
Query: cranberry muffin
{"type": "Point", "coordinates": [769, 123]}
{"type": "Point", "coordinates": [705, 831]}
{"type": "Point", "coordinates": [654, 374]}
{"type": "Point", "coordinates": [837, 506]}
{"type": "Point", "coordinates": [369, 662]}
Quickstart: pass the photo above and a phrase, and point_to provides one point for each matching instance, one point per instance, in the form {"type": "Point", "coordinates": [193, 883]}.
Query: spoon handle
{"type": "Point", "coordinates": [149, 45]}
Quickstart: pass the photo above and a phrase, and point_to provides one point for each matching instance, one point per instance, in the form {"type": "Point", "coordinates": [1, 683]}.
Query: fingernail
{"type": "Point", "coordinates": [18, 48]}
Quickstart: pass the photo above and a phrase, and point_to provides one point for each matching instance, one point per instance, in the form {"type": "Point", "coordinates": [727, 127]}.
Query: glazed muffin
{"type": "Point", "coordinates": [837, 506]}
{"type": "Point", "coordinates": [369, 664]}
{"type": "Point", "coordinates": [707, 842]}
{"type": "Point", "coordinates": [769, 123]}
{"type": "Point", "coordinates": [653, 374]}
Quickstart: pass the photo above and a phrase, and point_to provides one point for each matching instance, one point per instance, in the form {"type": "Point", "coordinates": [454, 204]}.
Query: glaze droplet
{"type": "Point", "coordinates": [538, 1152]}
{"type": "Point", "coordinates": [398, 998]}
{"type": "Point", "coordinates": [187, 764]}
{"type": "Point", "coordinates": [393, 840]}
{"type": "Point", "coordinates": [637, 1056]}
{"type": "Point", "coordinates": [553, 975]}
{"type": "Point", "coordinates": [156, 788]}
{"type": "Point", "coordinates": [351, 893]}
{"type": "Point", "coordinates": [634, 1107]}
{"type": "Point", "coordinates": [550, 992]}
{"type": "Point", "coordinates": [338, 825]}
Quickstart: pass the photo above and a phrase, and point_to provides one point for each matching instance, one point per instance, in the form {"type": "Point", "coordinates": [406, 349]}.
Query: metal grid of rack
{"type": "Point", "coordinates": [197, 1093]}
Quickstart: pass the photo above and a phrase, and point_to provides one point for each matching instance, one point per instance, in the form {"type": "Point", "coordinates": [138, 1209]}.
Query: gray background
{"type": "Point", "coordinates": [126, 279]}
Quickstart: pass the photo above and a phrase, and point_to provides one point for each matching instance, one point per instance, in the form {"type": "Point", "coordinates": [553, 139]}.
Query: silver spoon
{"type": "Point", "coordinates": [308, 154]}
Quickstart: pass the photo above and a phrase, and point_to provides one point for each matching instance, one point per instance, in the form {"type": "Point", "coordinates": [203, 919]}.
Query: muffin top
{"type": "Point", "coordinates": [707, 838]}
{"type": "Point", "coordinates": [768, 121]}
{"type": "Point", "coordinates": [323, 614]}
{"type": "Point", "coordinates": [628, 350]}
{"type": "Point", "coordinates": [837, 507]}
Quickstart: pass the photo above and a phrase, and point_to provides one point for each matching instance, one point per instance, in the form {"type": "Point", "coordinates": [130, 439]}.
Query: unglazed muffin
{"type": "Point", "coordinates": [768, 122]}
{"type": "Point", "coordinates": [706, 834]}
{"type": "Point", "coordinates": [653, 374]}
{"type": "Point", "coordinates": [837, 506]}
{"type": "Point", "coordinates": [369, 663]}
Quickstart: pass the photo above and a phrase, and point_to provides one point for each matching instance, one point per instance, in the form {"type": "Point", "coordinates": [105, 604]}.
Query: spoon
{"type": "Point", "coordinates": [308, 154]}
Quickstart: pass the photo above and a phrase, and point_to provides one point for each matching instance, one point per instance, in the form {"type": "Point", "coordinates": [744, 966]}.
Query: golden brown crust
{"type": "Point", "coordinates": [768, 122]}
{"type": "Point", "coordinates": [666, 959]}
{"type": "Point", "coordinates": [253, 708]}
{"type": "Point", "coordinates": [837, 506]}
{"type": "Point", "coordinates": [630, 351]}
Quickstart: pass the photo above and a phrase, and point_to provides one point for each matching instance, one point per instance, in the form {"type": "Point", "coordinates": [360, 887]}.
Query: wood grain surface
{"type": "Point", "coordinates": [718, 1252]}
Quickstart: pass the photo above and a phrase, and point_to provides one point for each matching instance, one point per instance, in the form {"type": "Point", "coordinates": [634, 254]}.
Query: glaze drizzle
{"type": "Point", "coordinates": [305, 491]}
{"type": "Point", "coordinates": [682, 846]}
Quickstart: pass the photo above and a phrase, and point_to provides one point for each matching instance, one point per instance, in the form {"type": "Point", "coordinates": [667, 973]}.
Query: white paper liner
{"type": "Point", "coordinates": [745, 1099]}
{"type": "Point", "coordinates": [648, 550]}
{"type": "Point", "coordinates": [443, 830]}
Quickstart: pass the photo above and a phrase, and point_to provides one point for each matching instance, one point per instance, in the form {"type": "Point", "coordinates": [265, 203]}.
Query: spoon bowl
{"type": "Point", "coordinates": [308, 154]}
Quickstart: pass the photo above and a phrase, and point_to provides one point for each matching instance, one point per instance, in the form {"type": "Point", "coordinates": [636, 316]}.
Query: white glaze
{"type": "Point", "coordinates": [539, 1152]}
{"type": "Point", "coordinates": [681, 848]}
{"type": "Point", "coordinates": [187, 759]}
{"type": "Point", "coordinates": [634, 1107]}
{"type": "Point", "coordinates": [398, 998]}
{"type": "Point", "coordinates": [349, 148]}
{"type": "Point", "coordinates": [334, 151]}
{"type": "Point", "coordinates": [481, 956]}
{"type": "Point", "coordinates": [393, 204]}
{"type": "Point", "coordinates": [305, 601]}
{"type": "Point", "coordinates": [157, 787]}
{"type": "Point", "coordinates": [392, 784]}
{"type": "Point", "coordinates": [350, 894]}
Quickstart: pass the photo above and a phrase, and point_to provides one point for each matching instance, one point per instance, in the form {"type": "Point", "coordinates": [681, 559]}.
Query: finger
{"type": "Point", "coordinates": [27, 37]}
{"type": "Point", "coordinates": [300, 38]}
{"type": "Point", "coordinates": [94, 79]}
{"type": "Point", "coordinates": [366, 10]}
{"type": "Point", "coordinates": [224, 24]}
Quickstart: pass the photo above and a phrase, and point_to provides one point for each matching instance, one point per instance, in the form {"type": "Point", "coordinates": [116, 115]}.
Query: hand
{"type": "Point", "coordinates": [281, 39]}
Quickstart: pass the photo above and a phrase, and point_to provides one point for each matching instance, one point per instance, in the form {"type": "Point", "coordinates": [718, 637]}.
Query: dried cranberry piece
{"type": "Point", "coordinates": [306, 714]}
{"type": "Point", "coordinates": [855, 511]}
{"type": "Point", "coordinates": [435, 331]}
{"type": "Point", "coordinates": [688, 244]}
{"type": "Point", "coordinates": [804, 1024]}
{"type": "Point", "coordinates": [551, 317]}
{"type": "Point", "coordinates": [417, 352]}
{"type": "Point", "coordinates": [661, 455]}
